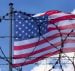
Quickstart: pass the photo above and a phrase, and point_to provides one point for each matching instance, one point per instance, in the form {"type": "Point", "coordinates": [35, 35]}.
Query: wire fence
{"type": "Point", "coordinates": [58, 60]}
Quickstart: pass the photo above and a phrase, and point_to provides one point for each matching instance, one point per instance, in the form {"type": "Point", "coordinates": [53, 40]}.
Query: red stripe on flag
{"type": "Point", "coordinates": [71, 26]}
{"type": "Point", "coordinates": [41, 41]}
{"type": "Point", "coordinates": [43, 49]}
{"type": "Point", "coordinates": [52, 12]}
{"type": "Point", "coordinates": [67, 17]}
{"type": "Point", "coordinates": [66, 50]}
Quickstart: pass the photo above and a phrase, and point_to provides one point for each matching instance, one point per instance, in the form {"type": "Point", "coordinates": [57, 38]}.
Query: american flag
{"type": "Point", "coordinates": [40, 36]}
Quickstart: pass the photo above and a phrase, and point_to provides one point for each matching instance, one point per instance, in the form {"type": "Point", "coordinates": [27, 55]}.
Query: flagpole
{"type": "Point", "coordinates": [10, 48]}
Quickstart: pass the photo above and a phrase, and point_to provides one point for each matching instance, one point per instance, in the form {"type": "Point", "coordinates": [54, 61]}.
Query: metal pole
{"type": "Point", "coordinates": [10, 48]}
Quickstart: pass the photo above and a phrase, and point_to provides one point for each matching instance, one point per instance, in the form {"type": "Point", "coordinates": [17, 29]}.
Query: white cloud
{"type": "Point", "coordinates": [41, 68]}
{"type": "Point", "coordinates": [45, 66]}
{"type": "Point", "coordinates": [73, 12]}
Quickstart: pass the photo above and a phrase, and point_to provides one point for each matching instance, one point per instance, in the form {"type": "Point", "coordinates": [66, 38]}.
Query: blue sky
{"type": "Point", "coordinates": [29, 6]}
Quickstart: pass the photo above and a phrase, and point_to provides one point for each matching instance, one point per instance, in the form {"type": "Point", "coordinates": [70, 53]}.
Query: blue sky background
{"type": "Point", "coordinates": [29, 6]}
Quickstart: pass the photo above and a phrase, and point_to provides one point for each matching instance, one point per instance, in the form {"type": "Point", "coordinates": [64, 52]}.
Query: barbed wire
{"type": "Point", "coordinates": [60, 54]}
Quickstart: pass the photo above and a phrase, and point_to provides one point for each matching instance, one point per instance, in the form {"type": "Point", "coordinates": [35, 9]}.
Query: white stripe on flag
{"type": "Point", "coordinates": [54, 16]}
{"type": "Point", "coordinates": [67, 45]}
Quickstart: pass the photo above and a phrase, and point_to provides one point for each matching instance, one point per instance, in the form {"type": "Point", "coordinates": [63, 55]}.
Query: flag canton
{"type": "Point", "coordinates": [27, 27]}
